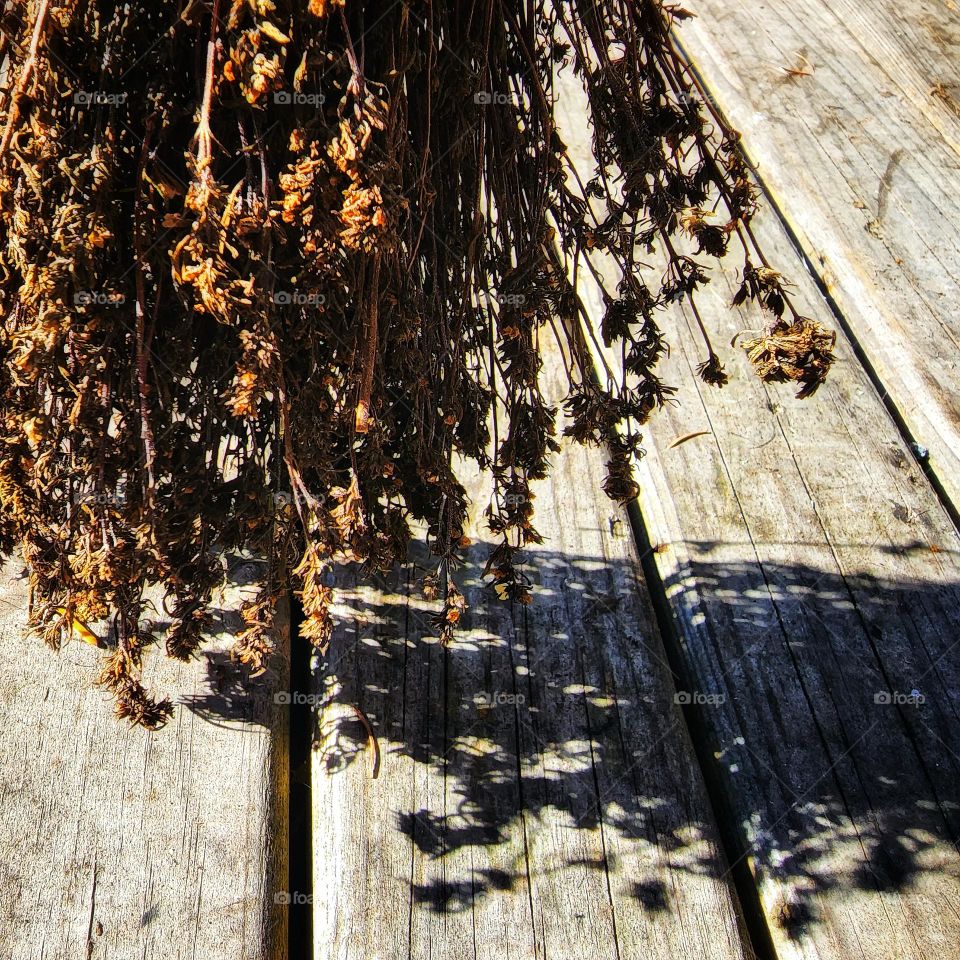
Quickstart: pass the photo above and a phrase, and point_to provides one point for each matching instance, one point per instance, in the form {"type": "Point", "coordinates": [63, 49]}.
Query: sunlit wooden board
{"type": "Point", "coordinates": [117, 842]}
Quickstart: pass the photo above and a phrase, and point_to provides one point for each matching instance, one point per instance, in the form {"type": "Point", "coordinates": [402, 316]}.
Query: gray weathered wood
{"type": "Point", "coordinates": [811, 572]}
{"type": "Point", "coordinates": [538, 796]}
{"type": "Point", "coordinates": [119, 843]}
{"type": "Point", "coordinates": [863, 158]}
{"type": "Point", "coordinates": [796, 542]}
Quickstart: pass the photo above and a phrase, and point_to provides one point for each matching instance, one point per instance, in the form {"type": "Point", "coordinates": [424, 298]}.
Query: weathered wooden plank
{"type": "Point", "coordinates": [120, 843]}
{"type": "Point", "coordinates": [366, 659]}
{"type": "Point", "coordinates": [608, 728]}
{"type": "Point", "coordinates": [813, 574]}
{"type": "Point", "coordinates": [860, 146]}
{"type": "Point", "coordinates": [538, 795]}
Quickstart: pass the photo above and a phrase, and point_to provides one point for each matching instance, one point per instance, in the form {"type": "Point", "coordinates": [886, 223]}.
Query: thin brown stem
{"type": "Point", "coordinates": [13, 114]}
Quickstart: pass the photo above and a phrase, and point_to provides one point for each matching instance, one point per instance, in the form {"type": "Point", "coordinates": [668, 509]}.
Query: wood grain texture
{"type": "Point", "coordinates": [813, 575]}
{"type": "Point", "coordinates": [814, 579]}
{"type": "Point", "coordinates": [862, 156]}
{"type": "Point", "coordinates": [119, 843]}
{"type": "Point", "coordinates": [538, 796]}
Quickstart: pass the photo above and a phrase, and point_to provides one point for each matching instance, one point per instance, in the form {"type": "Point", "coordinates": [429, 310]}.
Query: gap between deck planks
{"type": "Point", "coordinates": [538, 796]}
{"type": "Point", "coordinates": [812, 574]}
{"type": "Point", "coordinates": [119, 843]}
{"type": "Point", "coordinates": [860, 147]}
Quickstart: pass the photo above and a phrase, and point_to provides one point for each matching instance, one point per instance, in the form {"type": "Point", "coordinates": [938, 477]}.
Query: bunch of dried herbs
{"type": "Point", "coordinates": [268, 267]}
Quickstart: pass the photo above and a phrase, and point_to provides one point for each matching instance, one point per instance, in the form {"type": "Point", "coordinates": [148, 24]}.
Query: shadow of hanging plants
{"type": "Point", "coordinates": [568, 706]}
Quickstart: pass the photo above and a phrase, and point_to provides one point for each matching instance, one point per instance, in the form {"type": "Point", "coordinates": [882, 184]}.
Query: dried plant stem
{"type": "Point", "coordinates": [13, 111]}
{"type": "Point", "coordinates": [203, 134]}
{"type": "Point", "coordinates": [369, 357]}
{"type": "Point", "coordinates": [140, 312]}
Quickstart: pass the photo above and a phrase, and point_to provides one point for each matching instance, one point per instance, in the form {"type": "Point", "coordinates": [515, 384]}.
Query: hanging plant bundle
{"type": "Point", "coordinates": [267, 268]}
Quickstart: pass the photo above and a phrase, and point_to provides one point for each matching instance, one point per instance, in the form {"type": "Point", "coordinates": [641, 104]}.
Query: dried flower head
{"type": "Point", "coordinates": [801, 352]}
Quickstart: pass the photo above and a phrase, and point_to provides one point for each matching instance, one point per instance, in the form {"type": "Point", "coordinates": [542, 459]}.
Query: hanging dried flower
{"type": "Point", "coordinates": [268, 268]}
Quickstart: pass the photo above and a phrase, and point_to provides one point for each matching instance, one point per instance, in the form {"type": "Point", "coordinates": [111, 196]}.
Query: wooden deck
{"type": "Point", "coordinates": [538, 795]}
{"type": "Point", "coordinates": [728, 726]}
{"type": "Point", "coordinates": [118, 843]}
